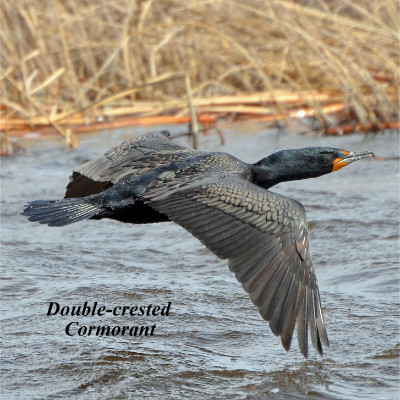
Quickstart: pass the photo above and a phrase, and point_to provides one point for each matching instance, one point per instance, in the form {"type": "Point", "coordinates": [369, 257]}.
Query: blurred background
{"type": "Point", "coordinates": [70, 64]}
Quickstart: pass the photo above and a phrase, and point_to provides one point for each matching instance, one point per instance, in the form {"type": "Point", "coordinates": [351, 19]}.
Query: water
{"type": "Point", "coordinates": [213, 343]}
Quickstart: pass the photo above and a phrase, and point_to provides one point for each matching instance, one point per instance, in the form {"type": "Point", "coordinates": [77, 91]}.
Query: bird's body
{"type": "Point", "coordinates": [225, 203]}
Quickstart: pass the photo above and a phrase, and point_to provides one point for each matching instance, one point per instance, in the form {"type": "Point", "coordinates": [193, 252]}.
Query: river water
{"type": "Point", "coordinates": [212, 343]}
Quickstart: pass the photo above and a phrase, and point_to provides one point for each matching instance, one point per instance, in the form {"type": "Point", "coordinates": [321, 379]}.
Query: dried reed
{"type": "Point", "coordinates": [67, 59]}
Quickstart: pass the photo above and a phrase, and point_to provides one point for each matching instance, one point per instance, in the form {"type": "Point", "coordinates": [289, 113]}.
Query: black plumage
{"type": "Point", "coordinates": [225, 203]}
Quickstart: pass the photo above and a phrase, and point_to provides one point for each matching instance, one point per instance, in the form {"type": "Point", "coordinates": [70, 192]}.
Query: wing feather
{"type": "Point", "coordinates": [265, 239]}
{"type": "Point", "coordinates": [102, 172]}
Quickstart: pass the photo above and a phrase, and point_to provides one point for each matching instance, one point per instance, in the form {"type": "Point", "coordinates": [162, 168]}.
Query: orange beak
{"type": "Point", "coordinates": [349, 157]}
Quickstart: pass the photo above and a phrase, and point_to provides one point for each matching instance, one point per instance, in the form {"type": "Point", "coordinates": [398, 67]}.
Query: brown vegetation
{"type": "Point", "coordinates": [69, 62]}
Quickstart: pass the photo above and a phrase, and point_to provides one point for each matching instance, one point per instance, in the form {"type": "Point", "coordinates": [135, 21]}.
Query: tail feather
{"type": "Point", "coordinates": [60, 212]}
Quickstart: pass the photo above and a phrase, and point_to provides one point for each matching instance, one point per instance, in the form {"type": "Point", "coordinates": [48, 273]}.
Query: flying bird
{"type": "Point", "coordinates": [226, 204]}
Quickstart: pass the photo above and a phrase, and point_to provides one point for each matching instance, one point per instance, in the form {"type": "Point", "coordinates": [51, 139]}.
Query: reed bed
{"type": "Point", "coordinates": [71, 62]}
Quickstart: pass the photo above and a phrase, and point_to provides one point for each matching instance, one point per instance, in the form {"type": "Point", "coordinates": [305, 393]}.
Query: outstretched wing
{"type": "Point", "coordinates": [97, 175]}
{"type": "Point", "coordinates": [264, 236]}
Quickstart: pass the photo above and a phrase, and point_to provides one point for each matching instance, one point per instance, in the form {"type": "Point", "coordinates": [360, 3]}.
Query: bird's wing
{"type": "Point", "coordinates": [264, 236]}
{"type": "Point", "coordinates": [97, 175]}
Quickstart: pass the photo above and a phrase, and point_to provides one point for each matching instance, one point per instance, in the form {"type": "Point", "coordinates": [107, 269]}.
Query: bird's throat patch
{"type": "Point", "coordinates": [338, 163]}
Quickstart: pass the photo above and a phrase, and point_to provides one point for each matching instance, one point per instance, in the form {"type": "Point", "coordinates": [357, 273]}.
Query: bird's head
{"type": "Point", "coordinates": [310, 162]}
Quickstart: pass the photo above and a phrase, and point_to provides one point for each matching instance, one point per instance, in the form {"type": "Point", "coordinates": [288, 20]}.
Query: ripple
{"type": "Point", "coordinates": [213, 344]}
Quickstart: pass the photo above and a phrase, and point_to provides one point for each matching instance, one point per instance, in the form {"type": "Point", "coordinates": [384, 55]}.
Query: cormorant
{"type": "Point", "coordinates": [226, 204]}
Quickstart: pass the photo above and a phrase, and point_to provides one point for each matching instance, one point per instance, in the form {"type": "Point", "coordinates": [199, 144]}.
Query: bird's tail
{"type": "Point", "coordinates": [60, 212]}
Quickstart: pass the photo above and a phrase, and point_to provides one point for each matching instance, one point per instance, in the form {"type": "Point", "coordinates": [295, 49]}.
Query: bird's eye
{"type": "Point", "coordinates": [340, 155]}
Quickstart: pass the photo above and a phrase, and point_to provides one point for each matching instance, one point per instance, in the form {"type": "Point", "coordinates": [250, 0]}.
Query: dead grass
{"type": "Point", "coordinates": [63, 58]}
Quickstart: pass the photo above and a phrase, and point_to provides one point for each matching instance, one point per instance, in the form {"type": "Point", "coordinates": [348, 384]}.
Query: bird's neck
{"type": "Point", "coordinates": [267, 176]}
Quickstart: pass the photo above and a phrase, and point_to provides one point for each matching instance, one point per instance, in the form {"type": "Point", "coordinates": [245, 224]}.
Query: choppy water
{"type": "Point", "coordinates": [213, 344]}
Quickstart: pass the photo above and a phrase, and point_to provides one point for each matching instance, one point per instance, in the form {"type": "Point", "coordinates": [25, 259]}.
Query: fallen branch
{"type": "Point", "coordinates": [350, 128]}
